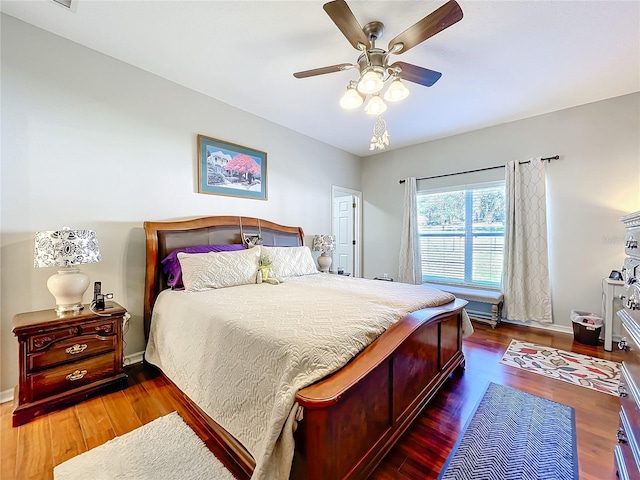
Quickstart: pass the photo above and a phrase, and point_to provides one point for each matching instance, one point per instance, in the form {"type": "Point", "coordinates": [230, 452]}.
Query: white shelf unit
{"type": "Point", "coordinates": [611, 303]}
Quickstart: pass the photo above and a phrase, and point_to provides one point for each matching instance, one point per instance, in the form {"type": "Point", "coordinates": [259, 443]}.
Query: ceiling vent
{"type": "Point", "coordinates": [64, 3]}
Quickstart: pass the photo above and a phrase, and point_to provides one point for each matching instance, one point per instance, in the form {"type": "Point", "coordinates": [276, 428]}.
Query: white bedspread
{"type": "Point", "coordinates": [242, 353]}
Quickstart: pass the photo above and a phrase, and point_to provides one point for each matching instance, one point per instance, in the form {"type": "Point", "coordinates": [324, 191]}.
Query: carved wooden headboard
{"type": "Point", "coordinates": [164, 237]}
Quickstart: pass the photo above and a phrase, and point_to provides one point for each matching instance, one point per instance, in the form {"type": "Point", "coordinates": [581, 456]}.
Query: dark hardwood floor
{"type": "Point", "coordinates": [31, 450]}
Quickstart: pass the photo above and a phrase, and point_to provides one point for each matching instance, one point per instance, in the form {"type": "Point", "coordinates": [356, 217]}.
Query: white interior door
{"type": "Point", "coordinates": [343, 230]}
{"type": "Point", "coordinates": [346, 228]}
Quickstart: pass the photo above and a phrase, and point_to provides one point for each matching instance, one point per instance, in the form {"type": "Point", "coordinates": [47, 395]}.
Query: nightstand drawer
{"type": "Point", "coordinates": [44, 340]}
{"type": "Point", "coordinates": [70, 350]}
{"type": "Point", "coordinates": [73, 375]}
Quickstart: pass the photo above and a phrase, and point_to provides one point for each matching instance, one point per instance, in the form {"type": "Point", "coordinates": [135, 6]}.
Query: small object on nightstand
{"type": "Point", "coordinates": [338, 273]}
{"type": "Point", "coordinates": [99, 301]}
{"type": "Point", "coordinates": [66, 358]}
{"type": "Point", "coordinates": [615, 275]}
{"type": "Point", "coordinates": [384, 277]}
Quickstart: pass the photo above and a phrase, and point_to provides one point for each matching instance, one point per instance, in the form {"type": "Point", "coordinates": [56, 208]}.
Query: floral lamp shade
{"type": "Point", "coordinates": [66, 249]}
{"type": "Point", "coordinates": [324, 243]}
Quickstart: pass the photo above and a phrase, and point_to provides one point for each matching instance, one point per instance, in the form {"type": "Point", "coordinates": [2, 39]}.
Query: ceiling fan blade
{"type": "Point", "coordinates": [435, 22]}
{"type": "Point", "coordinates": [344, 19]}
{"type": "Point", "coordinates": [323, 70]}
{"type": "Point", "coordinates": [415, 74]}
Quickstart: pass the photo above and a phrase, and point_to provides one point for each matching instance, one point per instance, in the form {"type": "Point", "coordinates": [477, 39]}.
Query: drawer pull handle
{"type": "Point", "coordinates": [104, 328]}
{"type": "Point", "coordinates": [622, 392]}
{"type": "Point", "coordinates": [41, 342]}
{"type": "Point", "coordinates": [620, 436]}
{"type": "Point", "coordinates": [77, 348]}
{"type": "Point", "coordinates": [622, 344]}
{"type": "Point", "coordinates": [77, 375]}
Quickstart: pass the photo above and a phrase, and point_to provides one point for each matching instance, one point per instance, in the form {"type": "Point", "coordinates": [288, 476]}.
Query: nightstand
{"type": "Point", "coordinates": [64, 359]}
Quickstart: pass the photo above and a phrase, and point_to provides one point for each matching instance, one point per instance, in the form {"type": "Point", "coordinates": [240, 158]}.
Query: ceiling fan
{"type": "Point", "coordinates": [373, 62]}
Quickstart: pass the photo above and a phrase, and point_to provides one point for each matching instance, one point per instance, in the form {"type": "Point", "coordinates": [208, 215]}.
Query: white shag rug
{"type": "Point", "coordinates": [166, 448]}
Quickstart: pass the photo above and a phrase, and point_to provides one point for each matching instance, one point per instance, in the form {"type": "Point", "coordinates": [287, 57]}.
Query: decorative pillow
{"type": "Point", "coordinates": [290, 261]}
{"type": "Point", "coordinates": [203, 271]}
{"type": "Point", "coordinates": [171, 265]}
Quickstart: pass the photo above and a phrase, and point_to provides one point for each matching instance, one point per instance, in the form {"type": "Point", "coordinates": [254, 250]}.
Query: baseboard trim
{"type": "Point", "coordinates": [556, 328]}
{"type": "Point", "coordinates": [6, 395]}
{"type": "Point", "coordinates": [137, 357]}
{"type": "Point", "coordinates": [542, 326]}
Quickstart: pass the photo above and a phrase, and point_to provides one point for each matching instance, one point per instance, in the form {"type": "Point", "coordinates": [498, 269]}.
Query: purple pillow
{"type": "Point", "coordinates": [171, 264]}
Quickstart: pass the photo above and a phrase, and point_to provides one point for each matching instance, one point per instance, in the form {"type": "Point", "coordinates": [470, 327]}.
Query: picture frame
{"type": "Point", "coordinates": [229, 169]}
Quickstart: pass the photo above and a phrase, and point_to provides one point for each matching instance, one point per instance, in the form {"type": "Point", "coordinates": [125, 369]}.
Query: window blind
{"type": "Point", "coordinates": [462, 235]}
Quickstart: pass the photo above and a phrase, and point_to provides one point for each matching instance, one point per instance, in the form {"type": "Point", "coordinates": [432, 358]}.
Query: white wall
{"type": "Point", "coordinates": [595, 182]}
{"type": "Point", "coordinates": [91, 142]}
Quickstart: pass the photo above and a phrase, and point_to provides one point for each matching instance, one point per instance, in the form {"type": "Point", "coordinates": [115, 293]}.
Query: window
{"type": "Point", "coordinates": [462, 235]}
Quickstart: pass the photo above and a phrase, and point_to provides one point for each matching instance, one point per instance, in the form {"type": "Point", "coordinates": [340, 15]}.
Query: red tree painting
{"type": "Point", "coordinates": [244, 165]}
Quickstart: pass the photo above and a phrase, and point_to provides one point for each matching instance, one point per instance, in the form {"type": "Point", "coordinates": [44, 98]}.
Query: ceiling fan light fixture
{"type": "Point", "coordinates": [371, 82]}
{"type": "Point", "coordinates": [396, 91]}
{"type": "Point", "coordinates": [372, 61]}
{"type": "Point", "coordinates": [375, 106]}
{"type": "Point", "coordinates": [351, 98]}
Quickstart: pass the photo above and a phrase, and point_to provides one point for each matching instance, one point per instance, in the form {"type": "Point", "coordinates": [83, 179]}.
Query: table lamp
{"type": "Point", "coordinates": [324, 244]}
{"type": "Point", "coordinates": [66, 249]}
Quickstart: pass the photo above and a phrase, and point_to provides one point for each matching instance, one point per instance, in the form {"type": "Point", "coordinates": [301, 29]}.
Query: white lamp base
{"type": "Point", "coordinates": [68, 286]}
{"type": "Point", "coordinates": [324, 262]}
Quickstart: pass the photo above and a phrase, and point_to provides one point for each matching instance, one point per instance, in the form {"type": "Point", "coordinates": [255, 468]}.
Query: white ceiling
{"type": "Point", "coordinates": [504, 61]}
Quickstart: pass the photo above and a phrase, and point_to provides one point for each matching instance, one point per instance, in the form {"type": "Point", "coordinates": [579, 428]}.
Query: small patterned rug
{"type": "Point", "coordinates": [515, 435]}
{"type": "Point", "coordinates": [594, 373]}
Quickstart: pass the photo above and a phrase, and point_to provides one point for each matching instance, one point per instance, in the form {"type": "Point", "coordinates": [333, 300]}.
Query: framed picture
{"type": "Point", "coordinates": [229, 169]}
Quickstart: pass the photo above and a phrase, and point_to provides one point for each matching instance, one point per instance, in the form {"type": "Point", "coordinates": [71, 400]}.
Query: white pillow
{"type": "Point", "coordinates": [203, 271]}
{"type": "Point", "coordinates": [290, 261]}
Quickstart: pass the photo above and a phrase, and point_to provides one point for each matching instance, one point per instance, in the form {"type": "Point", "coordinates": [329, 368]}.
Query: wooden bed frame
{"type": "Point", "coordinates": [353, 417]}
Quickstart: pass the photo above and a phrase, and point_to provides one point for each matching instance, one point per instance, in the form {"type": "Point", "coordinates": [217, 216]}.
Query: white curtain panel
{"type": "Point", "coordinates": [526, 270]}
{"type": "Point", "coordinates": [410, 266]}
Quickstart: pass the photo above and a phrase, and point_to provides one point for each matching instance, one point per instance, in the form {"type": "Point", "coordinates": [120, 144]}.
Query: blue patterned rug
{"type": "Point", "coordinates": [513, 435]}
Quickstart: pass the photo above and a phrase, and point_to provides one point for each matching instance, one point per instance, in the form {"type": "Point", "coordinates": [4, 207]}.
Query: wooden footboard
{"type": "Point", "coordinates": [354, 417]}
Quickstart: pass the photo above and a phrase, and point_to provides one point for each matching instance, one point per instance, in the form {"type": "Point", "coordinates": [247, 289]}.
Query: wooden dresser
{"type": "Point", "coordinates": [64, 359]}
{"type": "Point", "coordinates": [627, 452]}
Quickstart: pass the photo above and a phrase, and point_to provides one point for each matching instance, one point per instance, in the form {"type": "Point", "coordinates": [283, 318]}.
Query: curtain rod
{"type": "Point", "coordinates": [547, 159]}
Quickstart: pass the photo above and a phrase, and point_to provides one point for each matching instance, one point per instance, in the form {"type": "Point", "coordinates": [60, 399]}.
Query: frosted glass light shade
{"type": "Point", "coordinates": [396, 91]}
{"type": "Point", "coordinates": [351, 98]}
{"type": "Point", "coordinates": [375, 106]}
{"type": "Point", "coordinates": [371, 82]}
